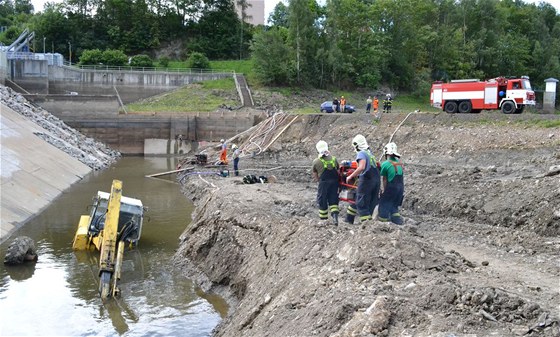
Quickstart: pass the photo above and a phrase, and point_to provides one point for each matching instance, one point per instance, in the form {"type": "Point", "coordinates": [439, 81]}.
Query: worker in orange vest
{"type": "Point", "coordinates": [223, 153]}
{"type": "Point", "coordinates": [376, 108]}
{"type": "Point", "coordinates": [342, 104]}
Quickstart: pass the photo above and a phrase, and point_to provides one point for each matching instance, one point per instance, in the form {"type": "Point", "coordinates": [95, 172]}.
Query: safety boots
{"type": "Point", "coordinates": [335, 218]}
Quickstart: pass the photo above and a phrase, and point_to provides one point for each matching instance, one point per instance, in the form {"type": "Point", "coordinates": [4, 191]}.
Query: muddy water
{"type": "Point", "coordinates": [58, 295]}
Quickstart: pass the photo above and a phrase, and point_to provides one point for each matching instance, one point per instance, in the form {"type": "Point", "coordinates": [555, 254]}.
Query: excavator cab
{"type": "Point", "coordinates": [131, 217]}
{"type": "Point", "coordinates": [114, 222]}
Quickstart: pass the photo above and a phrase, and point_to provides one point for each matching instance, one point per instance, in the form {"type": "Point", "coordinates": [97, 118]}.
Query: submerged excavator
{"type": "Point", "coordinates": [115, 221]}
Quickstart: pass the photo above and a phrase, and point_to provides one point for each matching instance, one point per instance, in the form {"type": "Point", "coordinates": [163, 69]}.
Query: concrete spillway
{"type": "Point", "coordinates": [33, 172]}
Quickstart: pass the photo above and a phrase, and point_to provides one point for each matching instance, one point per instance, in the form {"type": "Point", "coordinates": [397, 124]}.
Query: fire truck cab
{"type": "Point", "coordinates": [510, 95]}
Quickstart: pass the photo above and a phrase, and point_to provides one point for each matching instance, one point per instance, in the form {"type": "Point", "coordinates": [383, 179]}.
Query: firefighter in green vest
{"type": "Point", "coordinates": [393, 186]}
{"type": "Point", "coordinates": [325, 171]}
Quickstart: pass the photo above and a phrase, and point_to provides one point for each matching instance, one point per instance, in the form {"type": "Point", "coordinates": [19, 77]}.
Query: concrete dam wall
{"type": "Point", "coordinates": [134, 134]}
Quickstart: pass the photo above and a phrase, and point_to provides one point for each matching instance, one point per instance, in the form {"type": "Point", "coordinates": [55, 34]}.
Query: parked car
{"type": "Point", "coordinates": [328, 107]}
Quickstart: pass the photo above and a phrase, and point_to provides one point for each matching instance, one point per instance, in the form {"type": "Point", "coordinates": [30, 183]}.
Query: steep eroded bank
{"type": "Point", "coordinates": [450, 269]}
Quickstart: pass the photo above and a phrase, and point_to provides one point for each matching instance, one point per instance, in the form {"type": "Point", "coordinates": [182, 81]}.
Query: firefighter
{"type": "Point", "coordinates": [368, 104]}
{"type": "Point", "coordinates": [367, 193]}
{"type": "Point", "coordinates": [393, 186]}
{"type": "Point", "coordinates": [387, 103]}
{"type": "Point", "coordinates": [325, 171]}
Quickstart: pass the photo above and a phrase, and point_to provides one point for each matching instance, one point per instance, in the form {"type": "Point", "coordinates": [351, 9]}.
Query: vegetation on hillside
{"type": "Point", "coordinates": [399, 45]}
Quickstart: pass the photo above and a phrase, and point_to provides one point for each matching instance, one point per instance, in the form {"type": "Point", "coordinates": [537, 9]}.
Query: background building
{"type": "Point", "coordinates": [255, 11]}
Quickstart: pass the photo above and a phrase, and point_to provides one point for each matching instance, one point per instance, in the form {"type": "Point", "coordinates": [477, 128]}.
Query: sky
{"type": "Point", "coordinates": [270, 4]}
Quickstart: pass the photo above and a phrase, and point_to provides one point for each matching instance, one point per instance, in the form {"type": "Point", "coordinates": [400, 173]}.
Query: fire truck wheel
{"type": "Point", "coordinates": [450, 107]}
{"type": "Point", "coordinates": [465, 107]}
{"type": "Point", "coordinates": [508, 107]}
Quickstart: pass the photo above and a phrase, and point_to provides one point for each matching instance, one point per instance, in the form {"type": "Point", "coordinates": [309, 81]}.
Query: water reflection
{"type": "Point", "coordinates": [58, 295]}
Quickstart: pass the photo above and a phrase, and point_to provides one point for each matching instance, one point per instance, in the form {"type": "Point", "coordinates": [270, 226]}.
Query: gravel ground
{"type": "Point", "coordinates": [477, 256]}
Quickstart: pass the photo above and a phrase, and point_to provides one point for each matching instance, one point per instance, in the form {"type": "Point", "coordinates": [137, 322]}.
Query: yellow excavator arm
{"type": "Point", "coordinates": [108, 255]}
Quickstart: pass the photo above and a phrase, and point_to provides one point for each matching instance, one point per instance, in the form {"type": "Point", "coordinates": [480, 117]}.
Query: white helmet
{"type": "Point", "coordinates": [322, 147]}
{"type": "Point", "coordinates": [388, 95]}
{"type": "Point", "coordinates": [391, 149]}
{"type": "Point", "coordinates": [360, 143]}
{"type": "Point", "coordinates": [233, 146]}
{"type": "Point", "coordinates": [222, 140]}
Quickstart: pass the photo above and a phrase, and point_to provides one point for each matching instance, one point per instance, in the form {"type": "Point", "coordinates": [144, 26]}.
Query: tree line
{"type": "Point", "coordinates": [403, 44]}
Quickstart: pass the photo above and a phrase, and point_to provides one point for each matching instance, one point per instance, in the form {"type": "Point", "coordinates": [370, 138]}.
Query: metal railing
{"type": "Point", "coordinates": [146, 69]}
{"type": "Point", "coordinates": [23, 56]}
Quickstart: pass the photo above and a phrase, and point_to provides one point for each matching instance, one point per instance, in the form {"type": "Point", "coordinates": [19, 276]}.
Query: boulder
{"type": "Point", "coordinates": [20, 250]}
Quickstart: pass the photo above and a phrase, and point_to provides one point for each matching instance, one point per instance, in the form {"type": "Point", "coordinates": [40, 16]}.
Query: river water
{"type": "Point", "coordinates": [58, 296]}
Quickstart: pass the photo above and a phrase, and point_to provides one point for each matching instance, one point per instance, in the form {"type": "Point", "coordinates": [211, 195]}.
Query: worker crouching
{"type": "Point", "coordinates": [367, 193]}
{"type": "Point", "coordinates": [393, 186]}
{"type": "Point", "coordinates": [325, 171]}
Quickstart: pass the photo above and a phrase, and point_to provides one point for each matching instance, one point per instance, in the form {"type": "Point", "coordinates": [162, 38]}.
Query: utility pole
{"type": "Point", "coordinates": [44, 39]}
{"type": "Point", "coordinates": [70, 52]}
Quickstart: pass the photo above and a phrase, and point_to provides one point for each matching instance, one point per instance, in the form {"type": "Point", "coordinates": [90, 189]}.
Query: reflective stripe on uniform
{"type": "Point", "coordinates": [327, 162]}
{"type": "Point", "coordinates": [351, 210]}
{"type": "Point", "coordinates": [333, 208]}
{"type": "Point", "coordinates": [365, 217]}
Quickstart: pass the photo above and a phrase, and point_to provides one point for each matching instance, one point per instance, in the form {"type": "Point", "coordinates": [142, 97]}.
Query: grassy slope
{"type": "Point", "coordinates": [200, 97]}
{"type": "Point", "coordinates": [204, 98]}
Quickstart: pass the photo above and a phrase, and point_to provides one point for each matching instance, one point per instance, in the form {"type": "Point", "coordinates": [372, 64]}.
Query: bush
{"type": "Point", "coordinates": [91, 57]}
{"type": "Point", "coordinates": [198, 61]}
{"type": "Point", "coordinates": [141, 61]}
{"type": "Point", "coordinates": [164, 61]}
{"type": "Point", "coordinates": [114, 57]}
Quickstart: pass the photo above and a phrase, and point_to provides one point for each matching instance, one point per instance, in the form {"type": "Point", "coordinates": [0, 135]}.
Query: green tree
{"type": "Point", "coordinates": [141, 60]}
{"type": "Point", "coordinates": [279, 16]}
{"type": "Point", "coordinates": [303, 36]}
{"type": "Point", "coordinates": [52, 24]}
{"type": "Point", "coordinates": [198, 61]}
{"type": "Point", "coordinates": [91, 57]}
{"type": "Point", "coordinates": [114, 57]}
{"type": "Point", "coordinates": [271, 56]}
{"type": "Point", "coordinates": [23, 7]}
{"type": "Point", "coordinates": [213, 35]}
{"type": "Point", "coordinates": [243, 5]}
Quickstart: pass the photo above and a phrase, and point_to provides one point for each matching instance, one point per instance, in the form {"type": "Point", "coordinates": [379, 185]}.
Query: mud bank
{"type": "Point", "coordinates": [477, 255]}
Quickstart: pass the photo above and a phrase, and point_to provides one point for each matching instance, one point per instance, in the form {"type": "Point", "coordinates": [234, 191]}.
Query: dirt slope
{"type": "Point", "coordinates": [478, 255]}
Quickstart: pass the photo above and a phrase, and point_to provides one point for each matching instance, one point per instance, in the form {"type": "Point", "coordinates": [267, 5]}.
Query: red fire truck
{"type": "Point", "coordinates": [510, 95]}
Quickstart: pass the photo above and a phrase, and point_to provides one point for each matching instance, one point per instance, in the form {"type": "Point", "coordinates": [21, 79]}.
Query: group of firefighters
{"type": "Point", "coordinates": [375, 183]}
{"type": "Point", "coordinates": [371, 190]}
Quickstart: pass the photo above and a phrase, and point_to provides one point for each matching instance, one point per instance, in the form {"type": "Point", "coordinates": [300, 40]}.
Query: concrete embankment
{"type": "Point", "coordinates": [41, 157]}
